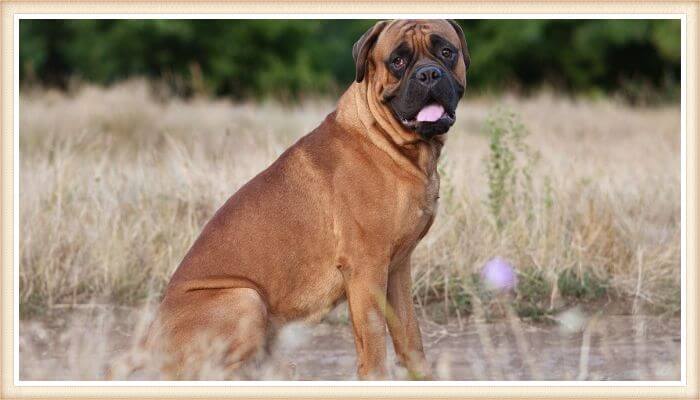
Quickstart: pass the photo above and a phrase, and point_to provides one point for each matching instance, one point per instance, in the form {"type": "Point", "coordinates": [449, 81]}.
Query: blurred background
{"type": "Point", "coordinates": [638, 60]}
{"type": "Point", "coordinates": [555, 253]}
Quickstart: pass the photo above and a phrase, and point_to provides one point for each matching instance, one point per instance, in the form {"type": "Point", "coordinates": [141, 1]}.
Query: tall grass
{"type": "Point", "coordinates": [115, 184]}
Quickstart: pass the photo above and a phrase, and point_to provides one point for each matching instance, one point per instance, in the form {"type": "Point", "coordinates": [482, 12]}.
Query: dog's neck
{"type": "Point", "coordinates": [360, 110]}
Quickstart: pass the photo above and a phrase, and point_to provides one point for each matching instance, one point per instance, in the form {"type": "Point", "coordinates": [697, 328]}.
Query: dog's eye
{"type": "Point", "coordinates": [398, 62]}
{"type": "Point", "coordinates": [446, 52]}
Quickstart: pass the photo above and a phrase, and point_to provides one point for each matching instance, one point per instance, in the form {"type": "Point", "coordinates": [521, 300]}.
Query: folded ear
{"type": "Point", "coordinates": [463, 42]}
{"type": "Point", "coordinates": [361, 48]}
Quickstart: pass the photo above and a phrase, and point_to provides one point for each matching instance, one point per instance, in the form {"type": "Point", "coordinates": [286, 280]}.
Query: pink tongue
{"type": "Point", "coordinates": [430, 113]}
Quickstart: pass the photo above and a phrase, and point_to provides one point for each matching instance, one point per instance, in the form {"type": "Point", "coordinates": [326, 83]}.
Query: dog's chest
{"type": "Point", "coordinates": [431, 196]}
{"type": "Point", "coordinates": [417, 214]}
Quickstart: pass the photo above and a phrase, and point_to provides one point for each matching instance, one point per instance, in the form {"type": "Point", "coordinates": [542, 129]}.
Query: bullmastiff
{"type": "Point", "coordinates": [335, 217]}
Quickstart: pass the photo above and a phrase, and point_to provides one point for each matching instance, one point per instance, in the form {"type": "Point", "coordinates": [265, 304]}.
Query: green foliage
{"type": "Point", "coordinates": [509, 167]}
{"type": "Point", "coordinates": [583, 286]}
{"type": "Point", "coordinates": [586, 56]}
{"type": "Point", "coordinates": [289, 58]}
{"type": "Point", "coordinates": [532, 294]}
{"type": "Point", "coordinates": [239, 57]}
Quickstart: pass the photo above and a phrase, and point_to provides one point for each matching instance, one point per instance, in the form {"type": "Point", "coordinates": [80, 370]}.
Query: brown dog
{"type": "Point", "coordinates": [336, 216]}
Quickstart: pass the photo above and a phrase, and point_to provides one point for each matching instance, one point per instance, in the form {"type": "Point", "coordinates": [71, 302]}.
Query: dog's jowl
{"type": "Point", "coordinates": [336, 217]}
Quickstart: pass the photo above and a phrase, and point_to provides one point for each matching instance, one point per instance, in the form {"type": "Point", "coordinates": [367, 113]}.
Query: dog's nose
{"type": "Point", "coordinates": [428, 75]}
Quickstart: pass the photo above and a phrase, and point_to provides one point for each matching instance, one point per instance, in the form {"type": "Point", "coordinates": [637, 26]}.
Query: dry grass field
{"type": "Point", "coordinates": [116, 183]}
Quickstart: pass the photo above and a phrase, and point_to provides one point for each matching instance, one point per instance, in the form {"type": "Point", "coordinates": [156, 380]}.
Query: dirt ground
{"type": "Point", "coordinates": [458, 354]}
{"type": "Point", "coordinates": [612, 348]}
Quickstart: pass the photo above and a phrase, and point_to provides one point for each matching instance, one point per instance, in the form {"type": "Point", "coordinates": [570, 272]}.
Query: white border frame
{"type": "Point", "coordinates": [277, 383]}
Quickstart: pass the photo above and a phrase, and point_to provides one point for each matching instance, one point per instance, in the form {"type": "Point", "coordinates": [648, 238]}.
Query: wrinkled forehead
{"type": "Point", "coordinates": [415, 31]}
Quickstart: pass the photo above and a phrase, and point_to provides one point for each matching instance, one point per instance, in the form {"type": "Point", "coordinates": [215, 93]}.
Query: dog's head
{"type": "Point", "coordinates": [417, 68]}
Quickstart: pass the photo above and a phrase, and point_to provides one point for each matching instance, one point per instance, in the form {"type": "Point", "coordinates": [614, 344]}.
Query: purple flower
{"type": "Point", "coordinates": [498, 274]}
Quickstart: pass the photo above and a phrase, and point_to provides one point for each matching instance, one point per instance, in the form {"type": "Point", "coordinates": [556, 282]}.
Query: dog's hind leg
{"type": "Point", "coordinates": [224, 326]}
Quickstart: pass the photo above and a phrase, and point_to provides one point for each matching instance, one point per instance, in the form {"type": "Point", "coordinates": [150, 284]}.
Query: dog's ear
{"type": "Point", "coordinates": [463, 42]}
{"type": "Point", "coordinates": [361, 48]}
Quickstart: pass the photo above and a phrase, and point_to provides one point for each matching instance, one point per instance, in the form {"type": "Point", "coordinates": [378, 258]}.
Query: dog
{"type": "Point", "coordinates": [335, 217]}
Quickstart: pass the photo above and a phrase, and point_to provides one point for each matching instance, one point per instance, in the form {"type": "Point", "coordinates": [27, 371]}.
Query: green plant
{"type": "Point", "coordinates": [584, 286]}
{"type": "Point", "coordinates": [532, 292]}
{"type": "Point", "coordinates": [509, 167]}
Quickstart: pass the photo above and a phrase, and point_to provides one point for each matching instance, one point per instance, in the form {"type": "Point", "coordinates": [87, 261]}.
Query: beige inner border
{"type": "Point", "coordinates": [10, 8]}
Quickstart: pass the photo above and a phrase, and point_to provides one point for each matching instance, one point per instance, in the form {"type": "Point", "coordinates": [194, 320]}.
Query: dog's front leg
{"type": "Point", "coordinates": [403, 325]}
{"type": "Point", "coordinates": [365, 288]}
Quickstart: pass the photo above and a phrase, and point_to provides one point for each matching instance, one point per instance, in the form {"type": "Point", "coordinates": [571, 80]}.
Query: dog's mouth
{"type": "Point", "coordinates": [432, 113]}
